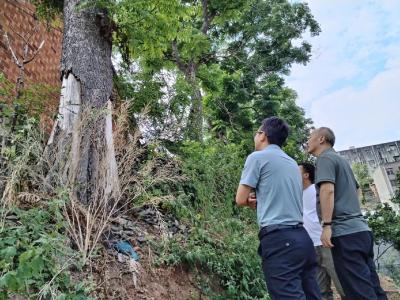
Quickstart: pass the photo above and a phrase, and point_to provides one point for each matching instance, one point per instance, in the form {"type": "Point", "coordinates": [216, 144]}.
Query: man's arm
{"type": "Point", "coordinates": [326, 198]}
{"type": "Point", "coordinates": [248, 182]}
{"type": "Point", "coordinates": [244, 197]}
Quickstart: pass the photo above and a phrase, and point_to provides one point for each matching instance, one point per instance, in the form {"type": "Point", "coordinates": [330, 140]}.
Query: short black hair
{"type": "Point", "coordinates": [309, 169]}
{"type": "Point", "coordinates": [276, 130]}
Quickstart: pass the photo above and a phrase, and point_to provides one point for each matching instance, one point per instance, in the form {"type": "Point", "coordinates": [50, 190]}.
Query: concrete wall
{"type": "Point", "coordinates": [384, 180]}
{"type": "Point", "coordinates": [382, 184]}
{"type": "Point", "coordinates": [383, 161]}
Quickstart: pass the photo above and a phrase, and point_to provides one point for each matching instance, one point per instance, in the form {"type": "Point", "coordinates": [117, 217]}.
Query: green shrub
{"type": "Point", "coordinates": [35, 256]}
{"type": "Point", "coordinates": [222, 241]}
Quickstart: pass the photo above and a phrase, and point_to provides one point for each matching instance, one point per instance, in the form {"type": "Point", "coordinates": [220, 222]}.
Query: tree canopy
{"type": "Point", "coordinates": [229, 60]}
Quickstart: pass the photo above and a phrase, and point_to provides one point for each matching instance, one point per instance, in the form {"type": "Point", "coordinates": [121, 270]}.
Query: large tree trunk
{"type": "Point", "coordinates": [194, 127]}
{"type": "Point", "coordinates": [195, 122]}
{"type": "Point", "coordinates": [81, 145]}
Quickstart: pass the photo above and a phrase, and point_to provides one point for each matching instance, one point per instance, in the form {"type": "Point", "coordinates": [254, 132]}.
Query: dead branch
{"type": "Point", "coordinates": [12, 51]}
{"type": "Point", "coordinates": [27, 61]}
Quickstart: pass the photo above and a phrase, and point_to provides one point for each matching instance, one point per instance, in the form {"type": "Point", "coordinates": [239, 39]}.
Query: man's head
{"type": "Point", "coordinates": [273, 130]}
{"type": "Point", "coordinates": [307, 171]}
{"type": "Point", "coordinates": [319, 140]}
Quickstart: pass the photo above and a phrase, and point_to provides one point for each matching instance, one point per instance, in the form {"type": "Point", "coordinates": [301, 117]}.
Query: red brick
{"type": "Point", "coordinates": [17, 15]}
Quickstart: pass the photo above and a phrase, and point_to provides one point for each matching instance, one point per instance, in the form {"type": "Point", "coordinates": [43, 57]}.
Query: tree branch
{"type": "Point", "coordinates": [248, 107]}
{"type": "Point", "coordinates": [27, 61]}
{"type": "Point", "coordinates": [20, 35]}
{"type": "Point", "coordinates": [384, 251]}
{"type": "Point", "coordinates": [12, 51]}
{"type": "Point", "coordinates": [32, 32]}
{"type": "Point", "coordinates": [207, 17]}
{"type": "Point", "coordinates": [175, 53]}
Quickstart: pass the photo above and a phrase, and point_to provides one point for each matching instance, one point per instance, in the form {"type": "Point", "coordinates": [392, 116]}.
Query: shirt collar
{"type": "Point", "coordinates": [327, 150]}
{"type": "Point", "coordinates": [272, 146]}
{"type": "Point", "coordinates": [309, 187]}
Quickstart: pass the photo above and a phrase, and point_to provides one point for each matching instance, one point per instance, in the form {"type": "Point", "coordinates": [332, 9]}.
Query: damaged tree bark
{"type": "Point", "coordinates": [83, 129]}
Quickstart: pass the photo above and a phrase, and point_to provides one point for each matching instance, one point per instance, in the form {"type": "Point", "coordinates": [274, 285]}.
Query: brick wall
{"type": "Point", "coordinates": [18, 17]}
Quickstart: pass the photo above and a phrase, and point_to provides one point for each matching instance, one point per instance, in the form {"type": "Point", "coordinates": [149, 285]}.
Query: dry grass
{"type": "Point", "coordinates": [137, 175]}
{"type": "Point", "coordinates": [20, 175]}
{"type": "Point", "coordinates": [87, 223]}
{"type": "Point", "coordinates": [37, 177]}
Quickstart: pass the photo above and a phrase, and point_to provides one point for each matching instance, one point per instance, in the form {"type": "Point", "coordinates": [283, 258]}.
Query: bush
{"type": "Point", "coordinates": [223, 239]}
{"type": "Point", "coordinates": [35, 256]}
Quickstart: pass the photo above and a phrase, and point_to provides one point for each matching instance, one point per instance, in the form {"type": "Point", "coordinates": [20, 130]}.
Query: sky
{"type": "Point", "coordinates": [352, 83]}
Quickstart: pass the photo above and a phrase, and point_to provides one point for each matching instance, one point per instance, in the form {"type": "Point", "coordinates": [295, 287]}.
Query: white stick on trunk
{"type": "Point", "coordinates": [70, 105]}
{"type": "Point", "coordinates": [112, 185]}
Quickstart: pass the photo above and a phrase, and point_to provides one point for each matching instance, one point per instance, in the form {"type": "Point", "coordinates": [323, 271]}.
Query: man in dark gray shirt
{"type": "Point", "coordinates": [344, 227]}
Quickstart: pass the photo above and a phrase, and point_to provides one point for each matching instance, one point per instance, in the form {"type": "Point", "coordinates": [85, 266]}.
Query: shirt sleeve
{"type": "Point", "coordinates": [251, 172]}
{"type": "Point", "coordinates": [325, 171]}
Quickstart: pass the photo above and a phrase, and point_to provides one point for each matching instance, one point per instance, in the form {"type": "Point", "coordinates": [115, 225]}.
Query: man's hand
{"type": "Point", "coordinates": [252, 200]}
{"type": "Point", "coordinates": [326, 237]}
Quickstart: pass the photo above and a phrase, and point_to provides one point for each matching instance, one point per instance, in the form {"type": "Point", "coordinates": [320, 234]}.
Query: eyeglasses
{"type": "Point", "coordinates": [258, 132]}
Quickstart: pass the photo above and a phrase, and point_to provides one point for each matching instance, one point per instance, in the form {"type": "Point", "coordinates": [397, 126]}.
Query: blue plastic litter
{"type": "Point", "coordinates": [126, 248]}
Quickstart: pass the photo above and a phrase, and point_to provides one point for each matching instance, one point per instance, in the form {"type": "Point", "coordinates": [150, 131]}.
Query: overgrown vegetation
{"type": "Point", "coordinates": [384, 221]}
{"type": "Point", "coordinates": [195, 81]}
{"type": "Point", "coordinates": [199, 192]}
{"type": "Point", "coordinates": [385, 225]}
{"type": "Point", "coordinates": [35, 256]}
{"type": "Point", "coordinates": [36, 253]}
{"type": "Point", "coordinates": [223, 239]}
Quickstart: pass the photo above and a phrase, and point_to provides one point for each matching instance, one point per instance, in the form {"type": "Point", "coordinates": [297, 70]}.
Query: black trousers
{"type": "Point", "coordinates": [353, 256]}
{"type": "Point", "coordinates": [289, 264]}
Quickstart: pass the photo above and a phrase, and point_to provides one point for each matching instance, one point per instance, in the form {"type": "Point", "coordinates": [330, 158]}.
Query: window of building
{"type": "Point", "coordinates": [389, 171]}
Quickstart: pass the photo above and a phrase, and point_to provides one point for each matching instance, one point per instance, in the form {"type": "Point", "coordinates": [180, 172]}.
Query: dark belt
{"type": "Point", "coordinates": [271, 228]}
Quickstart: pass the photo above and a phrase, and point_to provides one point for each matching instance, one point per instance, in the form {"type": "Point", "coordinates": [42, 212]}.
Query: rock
{"type": "Point", "coordinates": [121, 257]}
{"type": "Point", "coordinates": [137, 210]}
{"type": "Point", "coordinates": [122, 220]}
{"type": "Point", "coordinates": [129, 224]}
{"type": "Point", "coordinates": [141, 239]}
{"type": "Point", "coordinates": [129, 232]}
{"type": "Point", "coordinates": [12, 218]}
{"type": "Point", "coordinates": [150, 221]}
{"type": "Point", "coordinates": [116, 228]}
{"type": "Point", "coordinates": [146, 212]}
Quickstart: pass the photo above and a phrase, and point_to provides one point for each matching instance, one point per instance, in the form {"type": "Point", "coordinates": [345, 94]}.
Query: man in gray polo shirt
{"type": "Point", "coordinates": [344, 228]}
{"type": "Point", "coordinates": [287, 252]}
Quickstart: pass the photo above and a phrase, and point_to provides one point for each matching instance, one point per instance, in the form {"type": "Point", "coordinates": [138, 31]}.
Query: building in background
{"type": "Point", "coordinates": [383, 161]}
{"type": "Point", "coordinates": [385, 180]}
